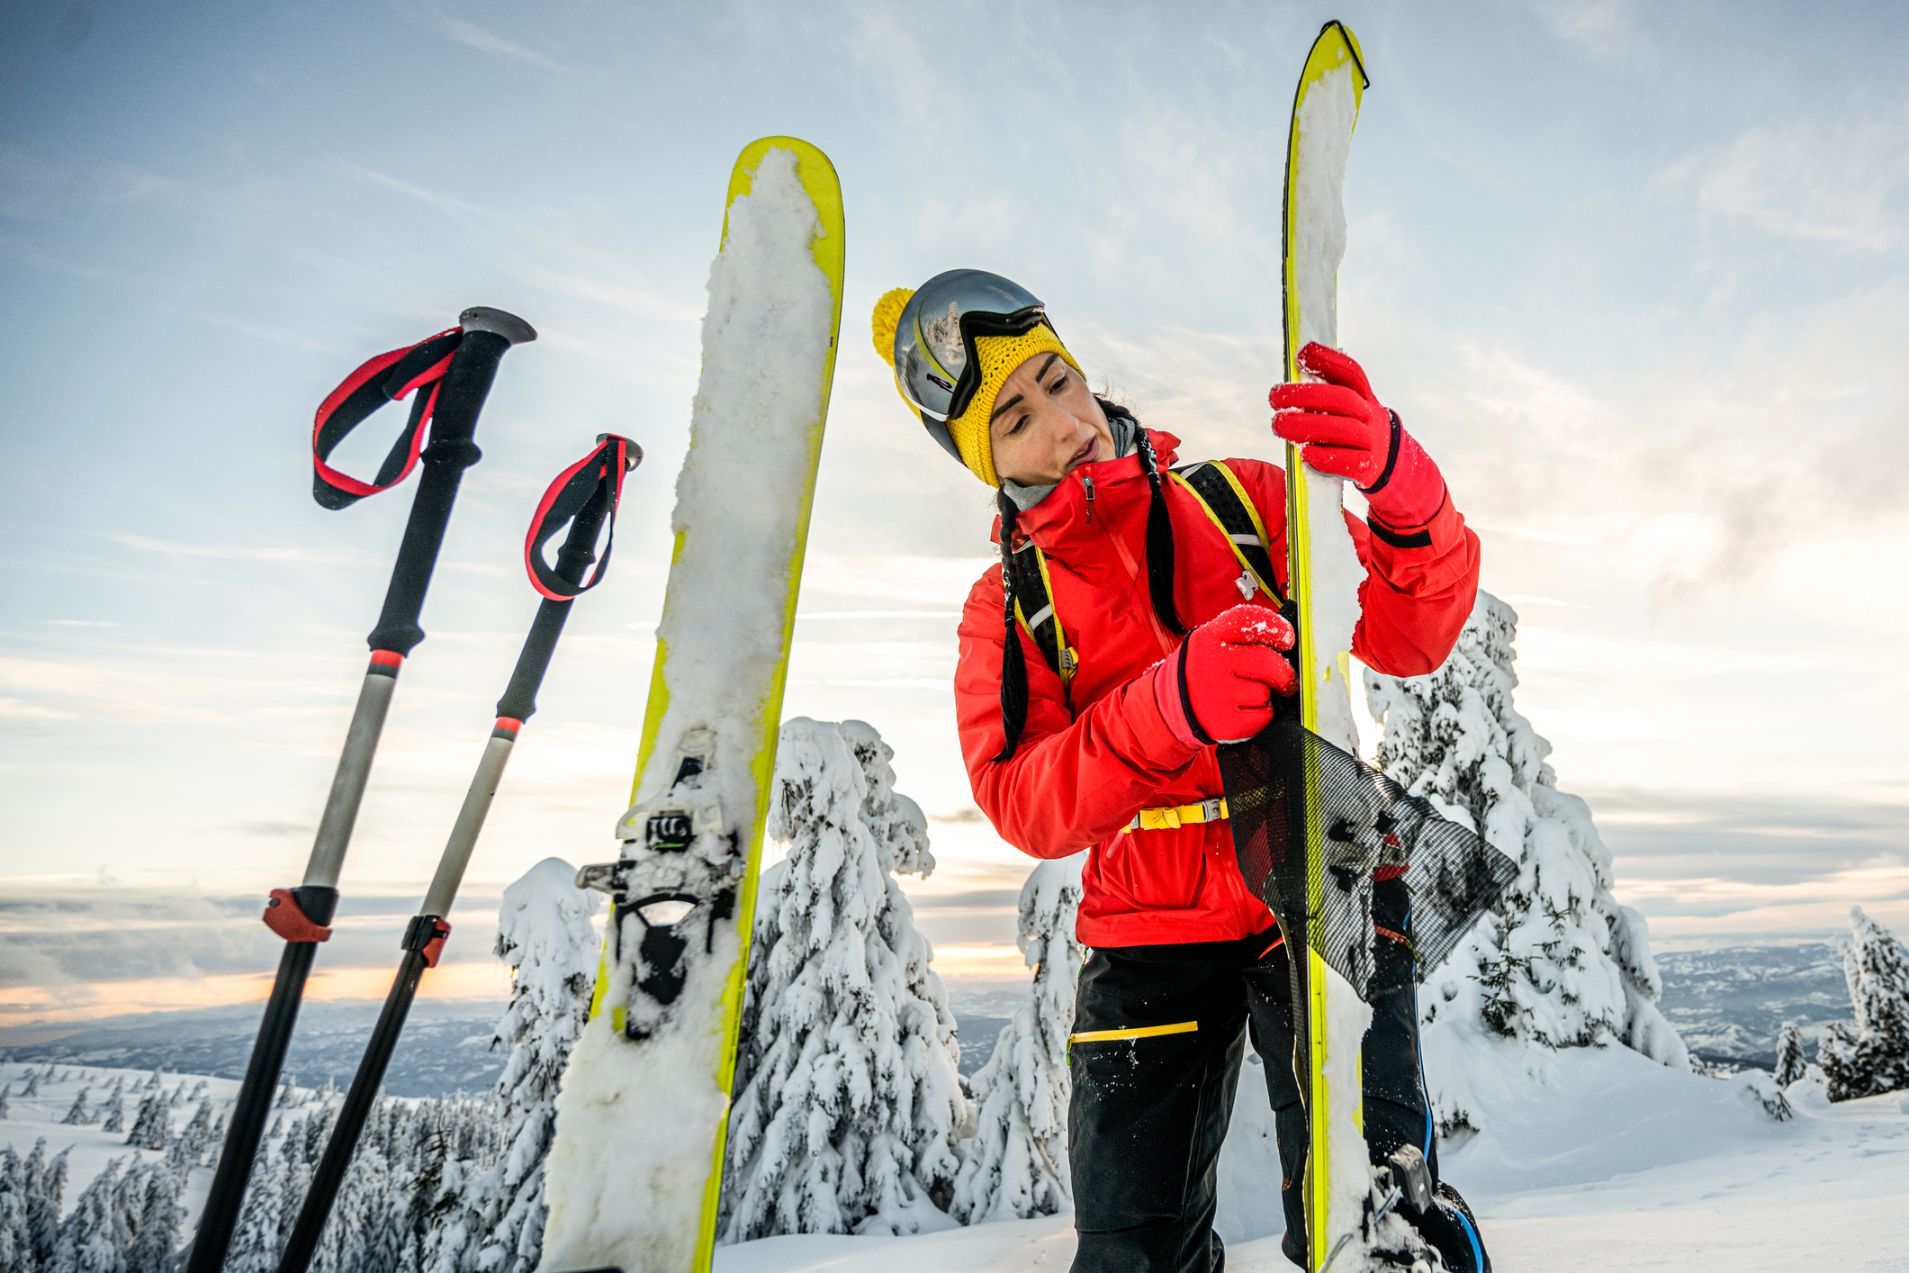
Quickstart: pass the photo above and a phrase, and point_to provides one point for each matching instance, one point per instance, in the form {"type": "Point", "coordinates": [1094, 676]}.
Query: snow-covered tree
{"type": "Point", "coordinates": [545, 936]}
{"type": "Point", "coordinates": [1559, 961]}
{"type": "Point", "coordinates": [95, 1235]}
{"type": "Point", "coordinates": [151, 1124]}
{"type": "Point", "coordinates": [157, 1231]}
{"type": "Point", "coordinates": [79, 1113]}
{"type": "Point", "coordinates": [895, 821]}
{"type": "Point", "coordinates": [16, 1244]}
{"type": "Point", "coordinates": [848, 1098]}
{"type": "Point", "coordinates": [46, 1191]}
{"type": "Point", "coordinates": [32, 1087]}
{"type": "Point", "coordinates": [1790, 1063]}
{"type": "Point", "coordinates": [1016, 1165]}
{"type": "Point", "coordinates": [6, 1095]}
{"type": "Point", "coordinates": [189, 1146]}
{"type": "Point", "coordinates": [1870, 1054]}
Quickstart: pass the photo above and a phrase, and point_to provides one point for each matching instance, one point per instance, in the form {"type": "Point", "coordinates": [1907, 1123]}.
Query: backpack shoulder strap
{"type": "Point", "coordinates": [1221, 497]}
{"type": "Point", "coordinates": [1034, 608]}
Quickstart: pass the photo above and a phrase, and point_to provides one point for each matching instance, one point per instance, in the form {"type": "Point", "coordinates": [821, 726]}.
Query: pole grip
{"type": "Point", "coordinates": [487, 334]}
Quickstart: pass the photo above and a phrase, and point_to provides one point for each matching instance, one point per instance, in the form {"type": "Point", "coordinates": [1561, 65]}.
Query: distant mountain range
{"type": "Point", "coordinates": [1729, 1004]}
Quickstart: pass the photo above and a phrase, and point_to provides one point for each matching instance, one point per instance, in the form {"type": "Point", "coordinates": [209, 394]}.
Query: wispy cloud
{"type": "Point", "coordinates": [1834, 182]}
{"type": "Point", "coordinates": [484, 40]}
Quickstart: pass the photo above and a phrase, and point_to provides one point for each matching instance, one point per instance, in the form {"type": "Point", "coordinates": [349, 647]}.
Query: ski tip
{"type": "Point", "coordinates": [1335, 28]}
{"type": "Point", "coordinates": [482, 318]}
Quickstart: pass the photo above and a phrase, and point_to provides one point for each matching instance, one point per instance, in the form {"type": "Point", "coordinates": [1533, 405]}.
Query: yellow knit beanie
{"type": "Point", "coordinates": [998, 357]}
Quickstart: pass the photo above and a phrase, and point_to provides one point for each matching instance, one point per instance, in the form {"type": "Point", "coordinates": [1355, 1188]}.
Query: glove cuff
{"type": "Point", "coordinates": [1410, 489]}
{"type": "Point", "coordinates": [1170, 696]}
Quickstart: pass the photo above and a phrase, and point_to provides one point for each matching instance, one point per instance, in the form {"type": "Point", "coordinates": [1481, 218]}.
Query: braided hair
{"type": "Point", "coordinates": [1159, 586]}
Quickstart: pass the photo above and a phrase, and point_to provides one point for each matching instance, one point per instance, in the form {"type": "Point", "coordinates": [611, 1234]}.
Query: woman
{"type": "Point", "coordinates": [1088, 718]}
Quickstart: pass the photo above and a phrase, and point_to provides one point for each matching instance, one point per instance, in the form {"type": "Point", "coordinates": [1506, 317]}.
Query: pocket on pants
{"type": "Point", "coordinates": [1134, 1119]}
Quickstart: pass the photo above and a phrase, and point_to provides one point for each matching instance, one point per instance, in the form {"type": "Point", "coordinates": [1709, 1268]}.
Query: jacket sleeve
{"type": "Point", "coordinates": [1420, 580]}
{"type": "Point", "coordinates": [1071, 782]}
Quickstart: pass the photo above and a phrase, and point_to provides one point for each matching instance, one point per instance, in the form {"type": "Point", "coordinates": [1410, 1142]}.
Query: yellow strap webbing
{"type": "Point", "coordinates": [1134, 1032]}
{"type": "Point", "coordinates": [1167, 817]}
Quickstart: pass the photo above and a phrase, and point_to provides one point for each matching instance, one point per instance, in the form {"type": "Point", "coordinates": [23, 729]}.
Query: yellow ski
{"type": "Point", "coordinates": [634, 1178]}
{"type": "Point", "coordinates": [1323, 574]}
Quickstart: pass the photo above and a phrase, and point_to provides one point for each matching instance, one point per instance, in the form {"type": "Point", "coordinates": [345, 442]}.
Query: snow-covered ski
{"type": "Point", "coordinates": [1324, 571]}
{"type": "Point", "coordinates": [635, 1174]}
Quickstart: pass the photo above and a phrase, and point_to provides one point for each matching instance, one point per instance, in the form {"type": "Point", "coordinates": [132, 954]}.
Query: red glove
{"type": "Point", "coordinates": [1348, 434]}
{"type": "Point", "coordinates": [1221, 684]}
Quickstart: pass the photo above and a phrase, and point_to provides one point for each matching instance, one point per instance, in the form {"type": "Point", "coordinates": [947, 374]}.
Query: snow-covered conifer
{"type": "Point", "coordinates": [115, 1111]}
{"type": "Point", "coordinates": [1870, 1054]}
{"type": "Point", "coordinates": [1558, 962]}
{"type": "Point", "coordinates": [46, 1194]}
{"type": "Point", "coordinates": [848, 1100]}
{"type": "Point", "coordinates": [79, 1113]}
{"type": "Point", "coordinates": [32, 1087]}
{"type": "Point", "coordinates": [1790, 1064]}
{"type": "Point", "coordinates": [1016, 1165]}
{"type": "Point", "coordinates": [151, 1124]}
{"type": "Point", "coordinates": [16, 1245]}
{"type": "Point", "coordinates": [95, 1235]}
{"type": "Point", "coordinates": [6, 1095]}
{"type": "Point", "coordinates": [895, 821]}
{"type": "Point", "coordinates": [157, 1231]}
{"type": "Point", "coordinates": [545, 936]}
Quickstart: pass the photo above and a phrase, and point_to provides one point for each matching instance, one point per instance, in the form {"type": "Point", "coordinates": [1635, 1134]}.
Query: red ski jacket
{"type": "Point", "coordinates": [1095, 754]}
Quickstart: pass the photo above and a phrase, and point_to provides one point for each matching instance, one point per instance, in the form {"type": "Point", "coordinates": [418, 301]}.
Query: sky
{"type": "Point", "coordinates": [1635, 276]}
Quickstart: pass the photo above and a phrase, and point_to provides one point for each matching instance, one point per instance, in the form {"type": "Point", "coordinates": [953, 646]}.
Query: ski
{"type": "Point", "coordinates": [634, 1178]}
{"type": "Point", "coordinates": [1324, 574]}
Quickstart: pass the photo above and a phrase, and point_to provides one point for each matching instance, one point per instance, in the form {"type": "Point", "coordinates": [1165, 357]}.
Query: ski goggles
{"type": "Point", "coordinates": [935, 360]}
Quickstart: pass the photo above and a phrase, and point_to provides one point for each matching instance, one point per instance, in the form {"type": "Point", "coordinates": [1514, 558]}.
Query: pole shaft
{"type": "Point", "coordinates": [329, 1175]}
{"type": "Point", "coordinates": [470, 821]}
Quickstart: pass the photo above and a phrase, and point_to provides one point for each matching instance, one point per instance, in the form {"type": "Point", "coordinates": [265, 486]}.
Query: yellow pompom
{"type": "Point", "coordinates": [887, 318]}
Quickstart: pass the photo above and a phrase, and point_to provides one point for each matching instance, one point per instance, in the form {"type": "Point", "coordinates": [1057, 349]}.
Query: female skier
{"type": "Point", "coordinates": [1088, 718]}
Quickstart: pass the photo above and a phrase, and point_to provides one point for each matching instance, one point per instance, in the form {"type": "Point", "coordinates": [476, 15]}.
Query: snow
{"type": "Point", "coordinates": [1643, 1167]}
{"type": "Point", "coordinates": [765, 343]}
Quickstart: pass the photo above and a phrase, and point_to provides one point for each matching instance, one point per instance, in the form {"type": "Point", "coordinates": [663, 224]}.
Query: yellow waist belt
{"type": "Point", "coordinates": [1167, 817]}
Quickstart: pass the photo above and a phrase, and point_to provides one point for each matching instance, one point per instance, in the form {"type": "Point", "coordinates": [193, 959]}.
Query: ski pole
{"type": "Point", "coordinates": [585, 495]}
{"type": "Point", "coordinates": [452, 371]}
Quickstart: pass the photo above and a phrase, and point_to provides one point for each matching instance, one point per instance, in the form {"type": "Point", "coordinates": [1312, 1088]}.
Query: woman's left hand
{"type": "Point", "coordinates": [1348, 433]}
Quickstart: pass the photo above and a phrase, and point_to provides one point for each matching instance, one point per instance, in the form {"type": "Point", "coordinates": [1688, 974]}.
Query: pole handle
{"type": "Point", "coordinates": [585, 497]}
{"type": "Point", "coordinates": [457, 402]}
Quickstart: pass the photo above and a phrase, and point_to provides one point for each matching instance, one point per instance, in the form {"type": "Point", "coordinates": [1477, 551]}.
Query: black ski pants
{"type": "Point", "coordinates": [1159, 1033]}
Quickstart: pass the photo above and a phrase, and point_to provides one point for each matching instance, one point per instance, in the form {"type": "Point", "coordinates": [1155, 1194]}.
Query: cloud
{"type": "Point", "coordinates": [1837, 183]}
{"type": "Point", "coordinates": [483, 40]}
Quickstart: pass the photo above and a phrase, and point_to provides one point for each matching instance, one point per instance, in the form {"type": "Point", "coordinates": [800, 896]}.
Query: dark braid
{"type": "Point", "coordinates": [1013, 661]}
{"type": "Point", "coordinates": [1159, 539]}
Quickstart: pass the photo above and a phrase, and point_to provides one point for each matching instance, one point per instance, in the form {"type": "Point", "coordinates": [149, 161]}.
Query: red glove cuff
{"type": "Point", "coordinates": [1169, 695]}
{"type": "Point", "coordinates": [1411, 489]}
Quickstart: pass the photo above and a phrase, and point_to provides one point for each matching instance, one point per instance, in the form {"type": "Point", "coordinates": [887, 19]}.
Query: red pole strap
{"type": "Point", "coordinates": [597, 475]}
{"type": "Point", "coordinates": [386, 378]}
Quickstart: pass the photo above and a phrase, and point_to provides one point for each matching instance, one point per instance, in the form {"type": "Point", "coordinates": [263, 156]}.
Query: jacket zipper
{"type": "Point", "coordinates": [1165, 638]}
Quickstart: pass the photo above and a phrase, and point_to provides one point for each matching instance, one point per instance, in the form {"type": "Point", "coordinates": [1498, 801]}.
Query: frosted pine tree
{"type": "Point", "coordinates": [1790, 1065]}
{"type": "Point", "coordinates": [32, 1087]}
{"type": "Point", "coordinates": [157, 1232]}
{"type": "Point", "coordinates": [1559, 961]}
{"type": "Point", "coordinates": [895, 821]}
{"type": "Point", "coordinates": [115, 1109]}
{"type": "Point", "coordinates": [95, 1235]}
{"type": "Point", "coordinates": [1870, 1054]}
{"type": "Point", "coordinates": [6, 1095]}
{"type": "Point", "coordinates": [151, 1124]}
{"type": "Point", "coordinates": [545, 936]}
{"type": "Point", "coordinates": [16, 1245]}
{"type": "Point", "coordinates": [79, 1113]}
{"type": "Point", "coordinates": [1016, 1165]}
{"type": "Point", "coordinates": [848, 1101]}
{"type": "Point", "coordinates": [45, 1186]}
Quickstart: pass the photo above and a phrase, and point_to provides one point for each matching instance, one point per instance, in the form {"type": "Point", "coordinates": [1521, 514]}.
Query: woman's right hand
{"type": "Point", "coordinates": [1221, 685]}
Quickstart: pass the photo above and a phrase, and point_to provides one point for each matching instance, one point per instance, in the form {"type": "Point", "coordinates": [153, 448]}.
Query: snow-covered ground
{"type": "Point", "coordinates": [1628, 1166]}
{"type": "Point", "coordinates": [1589, 1159]}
